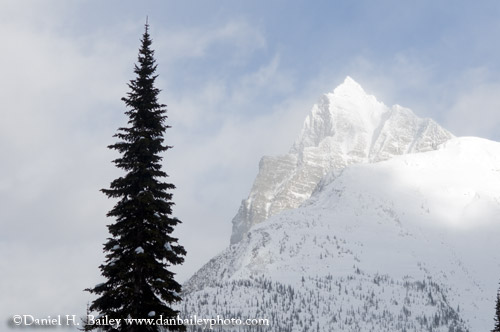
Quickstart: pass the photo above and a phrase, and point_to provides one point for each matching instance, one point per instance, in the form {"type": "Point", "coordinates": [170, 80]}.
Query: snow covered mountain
{"type": "Point", "coordinates": [383, 239]}
{"type": "Point", "coordinates": [345, 127]}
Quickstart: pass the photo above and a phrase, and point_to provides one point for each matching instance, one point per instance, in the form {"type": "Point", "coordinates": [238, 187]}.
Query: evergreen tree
{"type": "Point", "coordinates": [140, 249]}
{"type": "Point", "coordinates": [497, 314]}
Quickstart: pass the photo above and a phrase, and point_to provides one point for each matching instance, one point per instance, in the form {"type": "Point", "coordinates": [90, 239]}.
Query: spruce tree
{"type": "Point", "coordinates": [140, 248]}
{"type": "Point", "coordinates": [497, 314]}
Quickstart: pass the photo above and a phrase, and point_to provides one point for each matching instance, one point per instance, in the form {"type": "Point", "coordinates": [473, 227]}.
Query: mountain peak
{"type": "Point", "coordinates": [346, 126]}
{"type": "Point", "coordinates": [349, 85]}
{"type": "Point", "coordinates": [350, 90]}
{"type": "Point", "coordinates": [346, 111]}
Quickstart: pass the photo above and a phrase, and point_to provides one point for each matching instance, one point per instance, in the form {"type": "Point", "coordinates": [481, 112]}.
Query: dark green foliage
{"type": "Point", "coordinates": [140, 248]}
{"type": "Point", "coordinates": [497, 315]}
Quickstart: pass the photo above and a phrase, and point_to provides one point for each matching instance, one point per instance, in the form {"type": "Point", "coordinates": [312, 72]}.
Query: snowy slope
{"type": "Point", "coordinates": [405, 244]}
{"type": "Point", "coordinates": [345, 127]}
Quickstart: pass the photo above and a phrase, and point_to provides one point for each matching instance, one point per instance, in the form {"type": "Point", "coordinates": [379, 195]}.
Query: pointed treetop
{"type": "Point", "coordinates": [146, 27]}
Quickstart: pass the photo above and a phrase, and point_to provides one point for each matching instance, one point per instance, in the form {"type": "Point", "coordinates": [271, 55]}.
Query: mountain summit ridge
{"type": "Point", "coordinates": [352, 231]}
{"type": "Point", "coordinates": [345, 127]}
{"type": "Point", "coordinates": [349, 100]}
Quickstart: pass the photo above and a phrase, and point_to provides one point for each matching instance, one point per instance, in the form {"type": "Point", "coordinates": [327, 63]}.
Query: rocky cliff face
{"type": "Point", "coordinates": [345, 127]}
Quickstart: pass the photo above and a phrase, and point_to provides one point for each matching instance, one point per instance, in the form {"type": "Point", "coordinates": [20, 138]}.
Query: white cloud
{"type": "Point", "coordinates": [213, 168]}
{"type": "Point", "coordinates": [402, 79]}
{"type": "Point", "coordinates": [476, 112]}
{"type": "Point", "coordinates": [268, 80]}
{"type": "Point", "coordinates": [60, 105]}
{"type": "Point", "coordinates": [179, 43]}
{"type": "Point", "coordinates": [57, 106]}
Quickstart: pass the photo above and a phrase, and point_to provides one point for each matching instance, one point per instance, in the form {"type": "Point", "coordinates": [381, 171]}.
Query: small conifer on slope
{"type": "Point", "coordinates": [497, 314]}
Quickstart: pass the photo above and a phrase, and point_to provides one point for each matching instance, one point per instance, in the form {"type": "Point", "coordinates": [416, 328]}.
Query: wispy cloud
{"type": "Point", "coordinates": [238, 38]}
{"type": "Point", "coordinates": [476, 112]}
{"type": "Point", "coordinates": [237, 86]}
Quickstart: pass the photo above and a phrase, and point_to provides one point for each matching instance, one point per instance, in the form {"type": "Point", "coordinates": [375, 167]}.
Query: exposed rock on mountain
{"type": "Point", "coordinates": [345, 127]}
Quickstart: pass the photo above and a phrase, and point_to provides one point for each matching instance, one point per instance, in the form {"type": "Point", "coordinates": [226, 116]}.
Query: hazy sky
{"type": "Point", "coordinates": [238, 77]}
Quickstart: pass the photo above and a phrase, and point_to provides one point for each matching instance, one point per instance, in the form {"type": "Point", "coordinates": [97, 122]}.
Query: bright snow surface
{"type": "Point", "coordinates": [409, 243]}
{"type": "Point", "coordinates": [429, 216]}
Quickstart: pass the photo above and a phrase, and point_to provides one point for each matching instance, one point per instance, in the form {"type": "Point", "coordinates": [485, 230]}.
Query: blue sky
{"type": "Point", "coordinates": [239, 77]}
